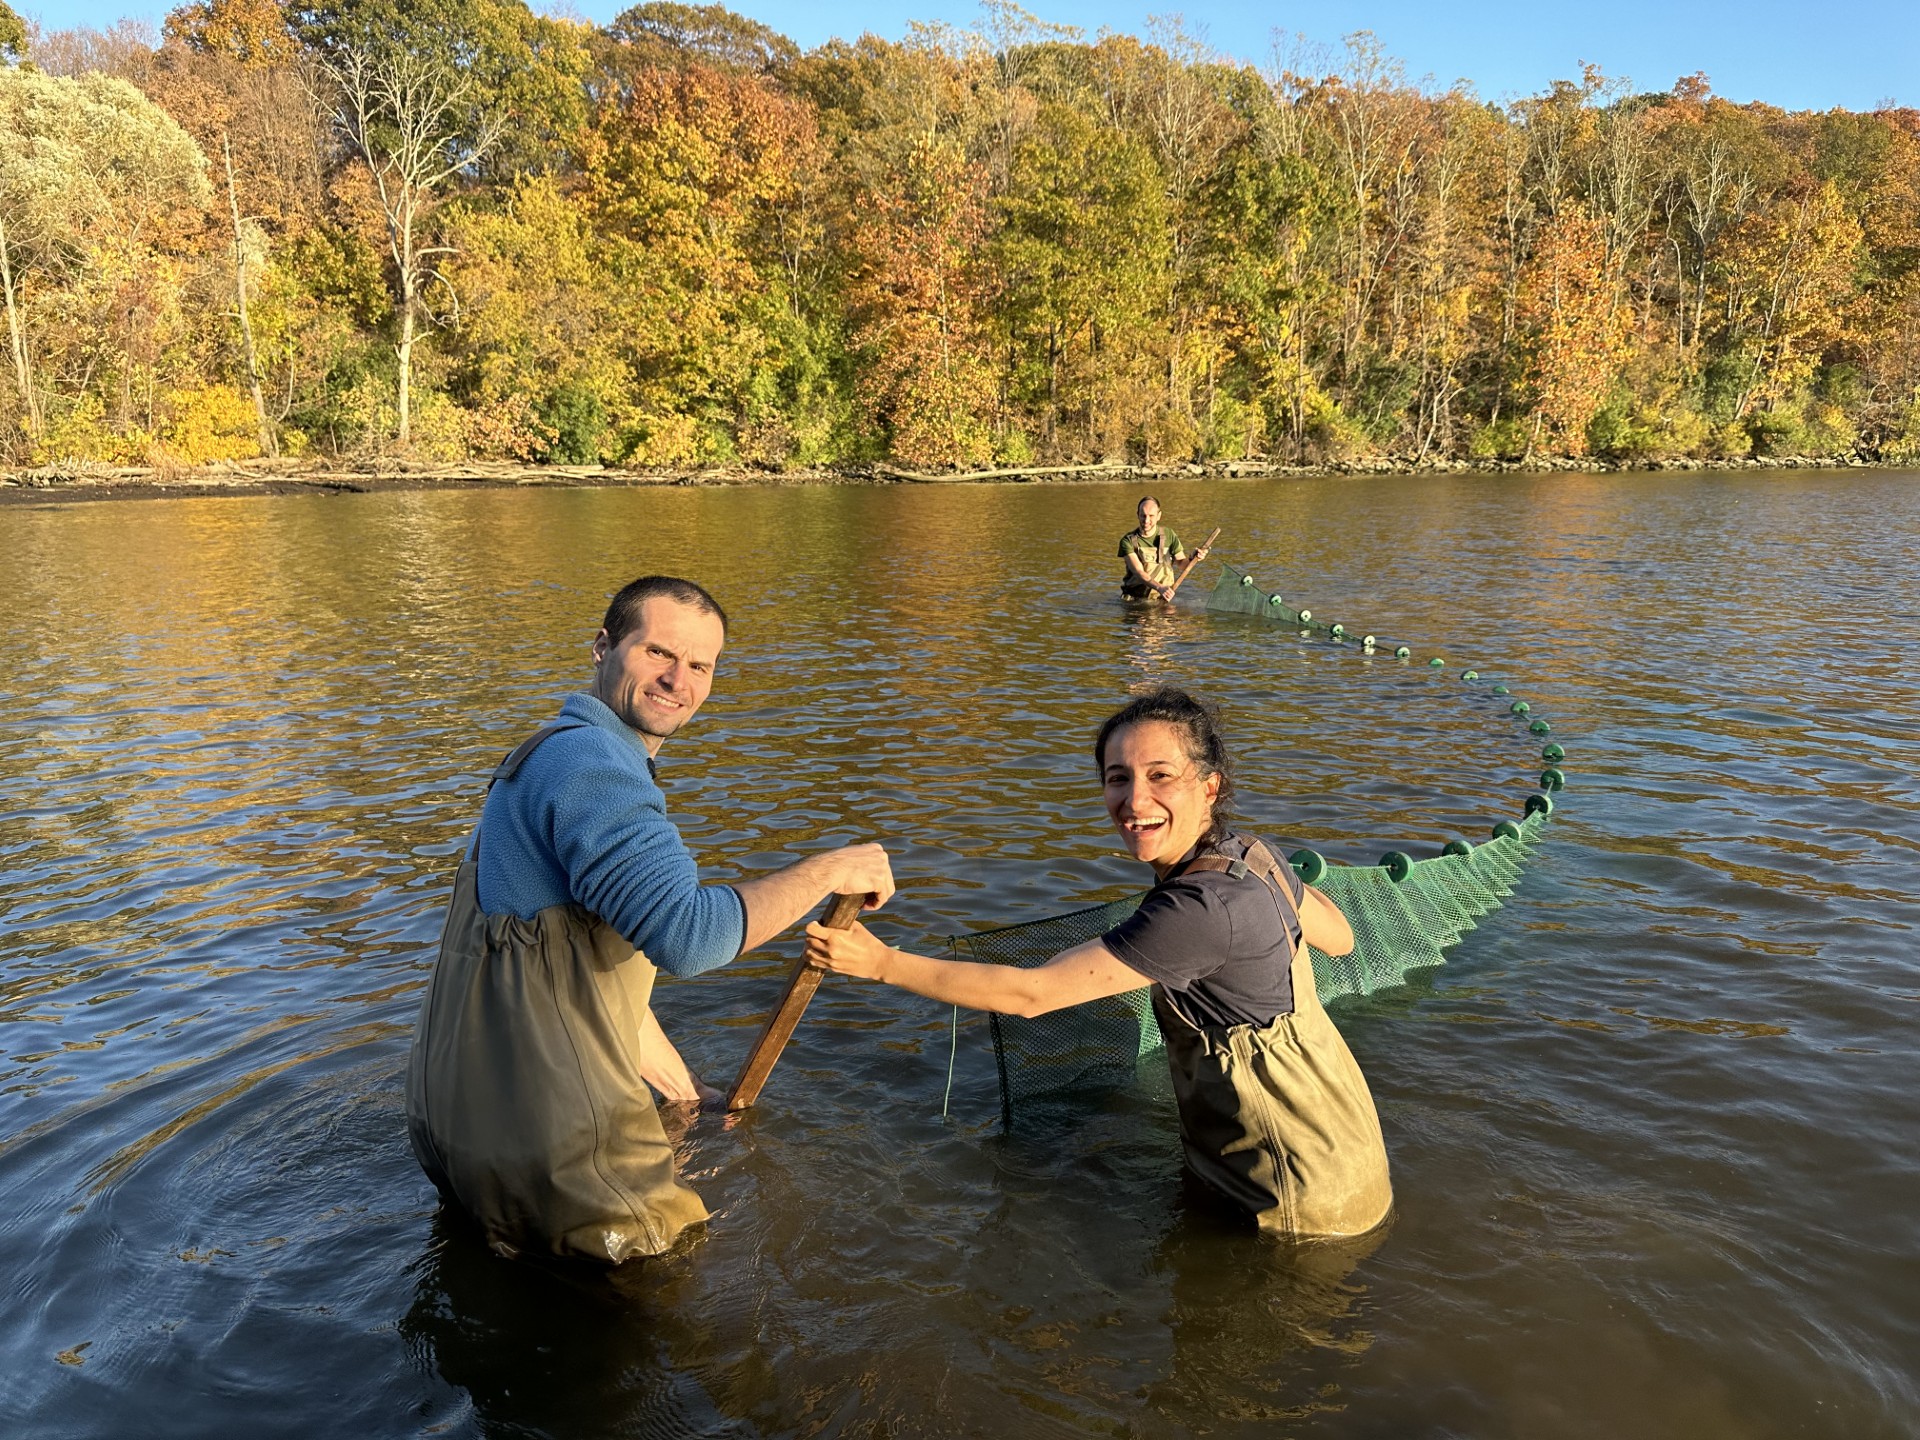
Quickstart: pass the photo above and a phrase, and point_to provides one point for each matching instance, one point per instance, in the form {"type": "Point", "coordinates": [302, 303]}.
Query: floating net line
{"type": "Point", "coordinates": [1405, 913]}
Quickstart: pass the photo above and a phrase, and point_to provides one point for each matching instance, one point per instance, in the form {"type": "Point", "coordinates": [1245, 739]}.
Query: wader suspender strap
{"type": "Point", "coordinates": [510, 766]}
{"type": "Point", "coordinates": [1260, 863]}
{"type": "Point", "coordinates": [1160, 556]}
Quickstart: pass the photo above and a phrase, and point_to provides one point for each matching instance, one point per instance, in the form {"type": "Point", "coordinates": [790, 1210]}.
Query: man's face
{"type": "Point", "coordinates": [661, 670]}
{"type": "Point", "coordinates": [1149, 517]}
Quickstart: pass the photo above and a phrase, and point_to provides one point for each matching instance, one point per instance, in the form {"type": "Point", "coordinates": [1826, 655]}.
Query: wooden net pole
{"type": "Point", "coordinates": [839, 915]}
{"type": "Point", "coordinates": [1193, 560]}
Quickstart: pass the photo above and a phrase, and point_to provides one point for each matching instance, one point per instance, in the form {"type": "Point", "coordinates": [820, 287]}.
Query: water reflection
{"type": "Point", "coordinates": [1151, 631]}
{"type": "Point", "coordinates": [1245, 1309]}
{"type": "Point", "coordinates": [243, 741]}
{"type": "Point", "coordinates": [559, 1350]}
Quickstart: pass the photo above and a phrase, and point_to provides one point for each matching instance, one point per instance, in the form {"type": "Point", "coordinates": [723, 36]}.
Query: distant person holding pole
{"type": "Point", "coordinates": [1151, 552]}
{"type": "Point", "coordinates": [528, 1088]}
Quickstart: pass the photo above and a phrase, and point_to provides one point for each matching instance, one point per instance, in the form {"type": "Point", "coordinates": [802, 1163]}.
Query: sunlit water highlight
{"type": "Point", "coordinates": [1653, 1128]}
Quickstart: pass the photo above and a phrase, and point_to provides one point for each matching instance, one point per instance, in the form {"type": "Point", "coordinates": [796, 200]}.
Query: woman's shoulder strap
{"type": "Point", "coordinates": [1276, 872]}
{"type": "Point", "coordinates": [1255, 858]}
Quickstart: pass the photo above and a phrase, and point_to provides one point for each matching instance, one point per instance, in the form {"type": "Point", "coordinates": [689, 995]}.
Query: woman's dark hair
{"type": "Point", "coordinates": [623, 611]}
{"type": "Point", "coordinates": [1198, 722]}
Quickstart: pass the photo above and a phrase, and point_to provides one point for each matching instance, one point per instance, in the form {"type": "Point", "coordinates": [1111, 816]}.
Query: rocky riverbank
{"type": "Point", "coordinates": [87, 481]}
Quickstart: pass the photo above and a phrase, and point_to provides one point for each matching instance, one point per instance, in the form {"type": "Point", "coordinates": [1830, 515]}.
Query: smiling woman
{"type": "Point", "coordinates": [1274, 1112]}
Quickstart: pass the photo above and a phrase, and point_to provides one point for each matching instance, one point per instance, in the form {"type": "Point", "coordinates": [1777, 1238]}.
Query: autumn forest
{"type": "Point", "coordinates": [463, 230]}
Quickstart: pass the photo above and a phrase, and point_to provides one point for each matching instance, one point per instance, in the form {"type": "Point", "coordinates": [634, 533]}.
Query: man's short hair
{"type": "Point", "coordinates": [1148, 499]}
{"type": "Point", "coordinates": [623, 611]}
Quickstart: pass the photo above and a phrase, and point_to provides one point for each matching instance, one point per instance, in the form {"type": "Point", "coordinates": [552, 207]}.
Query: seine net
{"type": "Point", "coordinates": [1398, 926]}
{"type": "Point", "coordinates": [1404, 917]}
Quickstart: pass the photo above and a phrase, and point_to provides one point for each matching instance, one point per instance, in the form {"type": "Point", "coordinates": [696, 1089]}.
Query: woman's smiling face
{"type": "Point", "coordinates": [1158, 799]}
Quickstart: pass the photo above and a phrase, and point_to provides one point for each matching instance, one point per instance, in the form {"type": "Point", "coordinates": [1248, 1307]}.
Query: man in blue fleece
{"type": "Point", "coordinates": [528, 1099]}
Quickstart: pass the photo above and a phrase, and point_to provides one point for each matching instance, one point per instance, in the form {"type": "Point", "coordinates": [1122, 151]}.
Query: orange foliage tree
{"type": "Point", "coordinates": [917, 296]}
{"type": "Point", "coordinates": [1578, 338]}
{"type": "Point", "coordinates": [684, 170]}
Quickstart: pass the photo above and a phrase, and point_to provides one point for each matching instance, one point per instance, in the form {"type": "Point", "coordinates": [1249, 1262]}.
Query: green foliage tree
{"type": "Point", "coordinates": [13, 33]}
{"type": "Point", "coordinates": [96, 184]}
{"type": "Point", "coordinates": [663, 31]}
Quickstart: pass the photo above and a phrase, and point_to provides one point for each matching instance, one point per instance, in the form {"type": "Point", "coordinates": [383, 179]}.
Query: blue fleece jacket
{"type": "Point", "coordinates": [583, 820]}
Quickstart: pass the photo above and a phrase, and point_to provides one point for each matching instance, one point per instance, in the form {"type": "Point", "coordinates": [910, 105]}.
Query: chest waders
{"type": "Point", "coordinates": [1158, 563]}
{"type": "Point", "coordinates": [525, 1101]}
{"type": "Point", "coordinates": [1278, 1117]}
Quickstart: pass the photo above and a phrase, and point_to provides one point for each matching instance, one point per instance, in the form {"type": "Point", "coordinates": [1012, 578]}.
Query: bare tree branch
{"type": "Point", "coordinates": [404, 114]}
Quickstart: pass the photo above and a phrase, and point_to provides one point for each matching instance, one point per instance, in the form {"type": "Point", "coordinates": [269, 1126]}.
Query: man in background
{"type": "Point", "coordinates": [1151, 553]}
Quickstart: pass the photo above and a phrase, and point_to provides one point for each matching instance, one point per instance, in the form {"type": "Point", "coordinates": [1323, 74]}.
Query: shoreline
{"type": "Point", "coordinates": [85, 482]}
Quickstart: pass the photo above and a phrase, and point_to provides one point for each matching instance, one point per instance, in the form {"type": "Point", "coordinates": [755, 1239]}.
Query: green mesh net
{"type": "Point", "coordinates": [1405, 915]}
{"type": "Point", "coordinates": [1398, 926]}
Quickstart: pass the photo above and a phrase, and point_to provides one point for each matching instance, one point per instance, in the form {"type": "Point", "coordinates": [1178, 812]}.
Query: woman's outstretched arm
{"type": "Point", "coordinates": [1086, 972]}
{"type": "Point", "coordinates": [1325, 928]}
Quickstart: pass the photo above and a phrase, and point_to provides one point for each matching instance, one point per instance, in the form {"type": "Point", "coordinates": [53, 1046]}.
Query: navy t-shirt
{"type": "Point", "coordinates": [1222, 948]}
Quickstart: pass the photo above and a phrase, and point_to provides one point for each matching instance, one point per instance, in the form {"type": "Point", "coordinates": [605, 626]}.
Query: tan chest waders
{"type": "Point", "coordinates": [525, 1100]}
{"type": "Point", "coordinates": [1278, 1117]}
{"type": "Point", "coordinates": [1156, 559]}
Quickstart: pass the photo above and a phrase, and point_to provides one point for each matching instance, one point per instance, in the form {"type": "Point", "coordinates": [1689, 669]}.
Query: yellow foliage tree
{"type": "Point", "coordinates": [1577, 338]}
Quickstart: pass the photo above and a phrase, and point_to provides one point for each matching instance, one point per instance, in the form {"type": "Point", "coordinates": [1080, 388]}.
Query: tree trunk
{"type": "Point", "coordinates": [404, 350]}
{"type": "Point", "coordinates": [268, 444]}
{"type": "Point", "coordinates": [22, 366]}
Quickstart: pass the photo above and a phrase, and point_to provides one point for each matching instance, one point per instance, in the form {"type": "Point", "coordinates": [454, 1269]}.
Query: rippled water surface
{"type": "Point", "coordinates": [1653, 1128]}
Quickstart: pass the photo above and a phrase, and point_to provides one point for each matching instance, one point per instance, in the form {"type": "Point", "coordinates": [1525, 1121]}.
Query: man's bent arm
{"type": "Point", "coordinates": [774, 902]}
{"type": "Point", "coordinates": [625, 862]}
{"type": "Point", "coordinates": [661, 1065]}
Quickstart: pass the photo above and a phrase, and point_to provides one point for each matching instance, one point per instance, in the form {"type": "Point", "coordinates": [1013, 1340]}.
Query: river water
{"type": "Point", "coordinates": [1653, 1127]}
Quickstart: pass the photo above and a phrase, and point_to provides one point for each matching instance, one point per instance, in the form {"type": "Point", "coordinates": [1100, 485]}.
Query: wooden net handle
{"type": "Point", "coordinates": [1194, 559]}
{"type": "Point", "coordinates": [840, 914]}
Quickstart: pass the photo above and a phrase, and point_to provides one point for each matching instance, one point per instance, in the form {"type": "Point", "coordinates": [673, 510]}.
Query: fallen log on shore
{"type": "Point", "coordinates": [1015, 472]}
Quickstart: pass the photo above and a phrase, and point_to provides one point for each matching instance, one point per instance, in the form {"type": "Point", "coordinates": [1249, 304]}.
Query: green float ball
{"type": "Point", "coordinates": [1436, 662]}
{"type": "Point", "coordinates": [1456, 847]}
{"type": "Point", "coordinates": [1471, 675]}
{"type": "Point", "coordinates": [1273, 599]}
{"type": "Point", "coordinates": [1246, 579]}
{"type": "Point", "coordinates": [1398, 865]}
{"type": "Point", "coordinates": [1306, 615]}
{"type": "Point", "coordinates": [1311, 865]}
{"type": "Point", "coordinates": [1552, 779]}
{"type": "Point", "coordinates": [1540, 727]}
{"type": "Point", "coordinates": [1337, 629]}
{"type": "Point", "coordinates": [1401, 652]}
{"type": "Point", "coordinates": [1541, 803]}
{"type": "Point", "coordinates": [1368, 641]}
{"type": "Point", "coordinates": [1553, 752]}
{"type": "Point", "coordinates": [1506, 830]}
{"type": "Point", "coordinates": [1500, 690]}
{"type": "Point", "coordinates": [1520, 707]}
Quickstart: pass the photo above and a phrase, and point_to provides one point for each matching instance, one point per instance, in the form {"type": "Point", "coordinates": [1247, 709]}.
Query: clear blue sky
{"type": "Point", "coordinates": [1799, 54]}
